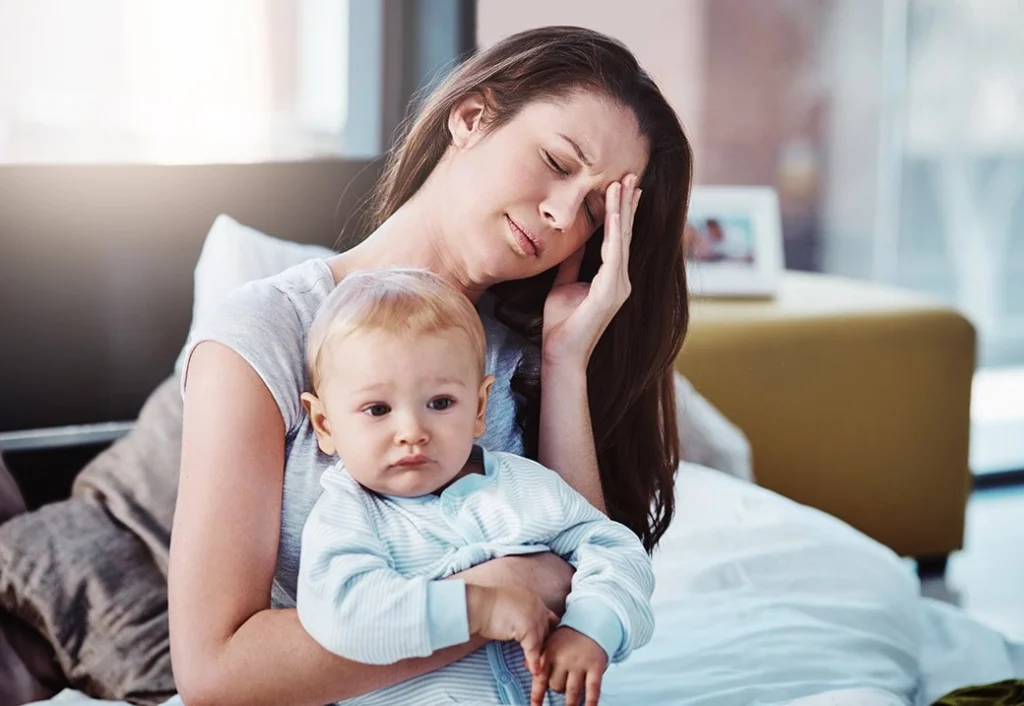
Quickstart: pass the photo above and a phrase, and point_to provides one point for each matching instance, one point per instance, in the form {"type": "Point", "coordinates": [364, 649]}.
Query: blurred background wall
{"type": "Point", "coordinates": [893, 131]}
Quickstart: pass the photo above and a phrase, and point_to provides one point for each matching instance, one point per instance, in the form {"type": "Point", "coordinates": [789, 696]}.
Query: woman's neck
{"type": "Point", "coordinates": [410, 237]}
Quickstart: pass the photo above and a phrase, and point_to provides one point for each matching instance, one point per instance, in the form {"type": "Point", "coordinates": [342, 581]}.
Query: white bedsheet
{"type": "Point", "coordinates": [762, 601]}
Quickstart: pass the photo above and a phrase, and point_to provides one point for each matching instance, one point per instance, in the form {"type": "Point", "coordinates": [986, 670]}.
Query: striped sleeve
{"type": "Point", "coordinates": [610, 600]}
{"type": "Point", "coordinates": [351, 599]}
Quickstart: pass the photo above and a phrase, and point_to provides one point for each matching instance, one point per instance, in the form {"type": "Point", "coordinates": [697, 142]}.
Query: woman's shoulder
{"type": "Point", "coordinates": [266, 322]}
{"type": "Point", "coordinates": [304, 286]}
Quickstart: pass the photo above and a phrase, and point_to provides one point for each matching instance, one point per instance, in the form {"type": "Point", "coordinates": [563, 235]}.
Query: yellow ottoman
{"type": "Point", "coordinates": [855, 398]}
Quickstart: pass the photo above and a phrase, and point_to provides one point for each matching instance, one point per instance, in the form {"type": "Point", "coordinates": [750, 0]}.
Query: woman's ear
{"type": "Point", "coordinates": [321, 425]}
{"type": "Point", "coordinates": [466, 119]}
{"type": "Point", "coordinates": [481, 410]}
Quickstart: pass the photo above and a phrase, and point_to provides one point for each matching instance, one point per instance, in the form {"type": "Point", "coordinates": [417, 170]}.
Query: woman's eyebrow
{"type": "Point", "coordinates": [579, 151]}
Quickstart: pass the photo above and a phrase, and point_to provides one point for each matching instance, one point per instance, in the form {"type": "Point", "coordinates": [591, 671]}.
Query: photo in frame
{"type": "Point", "coordinates": [733, 242]}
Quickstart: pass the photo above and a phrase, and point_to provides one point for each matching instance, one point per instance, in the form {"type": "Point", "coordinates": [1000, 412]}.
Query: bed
{"type": "Point", "coordinates": [762, 601]}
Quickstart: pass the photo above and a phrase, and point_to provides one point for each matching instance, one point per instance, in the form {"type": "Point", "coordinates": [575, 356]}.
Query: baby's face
{"type": "Point", "coordinates": [403, 411]}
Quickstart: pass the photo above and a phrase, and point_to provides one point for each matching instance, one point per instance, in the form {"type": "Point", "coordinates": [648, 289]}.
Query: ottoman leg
{"type": "Point", "coordinates": [934, 566]}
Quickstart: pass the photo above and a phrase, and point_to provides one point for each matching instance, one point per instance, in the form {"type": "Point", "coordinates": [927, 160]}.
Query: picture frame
{"type": "Point", "coordinates": [733, 242]}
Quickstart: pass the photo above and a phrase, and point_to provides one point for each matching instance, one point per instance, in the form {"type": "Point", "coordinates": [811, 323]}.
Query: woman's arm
{"type": "Point", "coordinates": [566, 439]}
{"type": "Point", "coordinates": [227, 646]}
{"type": "Point", "coordinates": [576, 314]}
{"type": "Point", "coordinates": [547, 575]}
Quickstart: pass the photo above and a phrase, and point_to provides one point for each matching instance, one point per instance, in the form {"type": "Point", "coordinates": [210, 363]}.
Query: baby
{"type": "Point", "coordinates": [396, 360]}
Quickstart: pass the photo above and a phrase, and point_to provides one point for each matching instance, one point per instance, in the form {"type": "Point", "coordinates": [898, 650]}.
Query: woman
{"type": "Point", "coordinates": [520, 181]}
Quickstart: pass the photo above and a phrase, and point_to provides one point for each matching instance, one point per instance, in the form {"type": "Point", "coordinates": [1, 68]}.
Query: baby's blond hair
{"type": "Point", "coordinates": [402, 301]}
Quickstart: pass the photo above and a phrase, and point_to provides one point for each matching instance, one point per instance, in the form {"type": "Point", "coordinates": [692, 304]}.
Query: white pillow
{"type": "Point", "coordinates": [707, 438]}
{"type": "Point", "coordinates": [234, 254]}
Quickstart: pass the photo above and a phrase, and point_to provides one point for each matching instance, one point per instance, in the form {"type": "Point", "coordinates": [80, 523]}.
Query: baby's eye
{"type": "Point", "coordinates": [377, 410]}
{"type": "Point", "coordinates": [441, 403]}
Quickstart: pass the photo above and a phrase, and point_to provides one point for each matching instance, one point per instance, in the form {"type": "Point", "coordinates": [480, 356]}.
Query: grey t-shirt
{"type": "Point", "coordinates": [266, 323]}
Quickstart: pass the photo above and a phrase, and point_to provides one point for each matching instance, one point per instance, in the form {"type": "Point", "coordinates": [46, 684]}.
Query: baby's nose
{"type": "Point", "coordinates": [412, 432]}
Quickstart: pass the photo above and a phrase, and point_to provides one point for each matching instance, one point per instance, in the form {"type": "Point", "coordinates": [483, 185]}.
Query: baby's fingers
{"type": "Point", "coordinates": [593, 687]}
{"type": "Point", "coordinates": [556, 676]}
{"type": "Point", "coordinates": [573, 688]}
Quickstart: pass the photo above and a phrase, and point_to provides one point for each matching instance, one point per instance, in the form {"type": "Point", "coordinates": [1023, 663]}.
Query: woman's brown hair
{"type": "Point", "coordinates": [632, 404]}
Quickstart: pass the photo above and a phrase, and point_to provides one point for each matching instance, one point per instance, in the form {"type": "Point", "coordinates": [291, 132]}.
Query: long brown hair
{"type": "Point", "coordinates": [632, 405]}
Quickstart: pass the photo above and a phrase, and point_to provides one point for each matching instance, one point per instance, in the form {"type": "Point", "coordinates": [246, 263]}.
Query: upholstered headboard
{"type": "Point", "coordinates": [96, 270]}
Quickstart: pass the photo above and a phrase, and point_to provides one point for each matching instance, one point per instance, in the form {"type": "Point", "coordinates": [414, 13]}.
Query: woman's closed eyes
{"type": "Point", "coordinates": [557, 167]}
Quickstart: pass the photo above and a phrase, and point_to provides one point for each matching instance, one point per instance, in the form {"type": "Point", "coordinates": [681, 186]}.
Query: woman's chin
{"type": "Point", "coordinates": [501, 265]}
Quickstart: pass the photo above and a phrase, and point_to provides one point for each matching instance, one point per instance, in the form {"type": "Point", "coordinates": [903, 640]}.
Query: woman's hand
{"type": "Point", "coordinates": [576, 313]}
{"type": "Point", "coordinates": [547, 575]}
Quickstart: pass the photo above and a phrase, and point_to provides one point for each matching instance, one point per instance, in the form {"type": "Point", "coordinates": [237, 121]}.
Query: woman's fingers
{"type": "Point", "coordinates": [612, 280]}
{"type": "Point", "coordinates": [533, 642]}
{"type": "Point", "coordinates": [626, 202]}
{"type": "Point", "coordinates": [611, 248]}
{"type": "Point", "coordinates": [630, 198]}
{"type": "Point", "coordinates": [539, 688]}
{"type": "Point", "coordinates": [612, 200]}
{"type": "Point", "coordinates": [636, 204]}
{"type": "Point", "coordinates": [619, 235]}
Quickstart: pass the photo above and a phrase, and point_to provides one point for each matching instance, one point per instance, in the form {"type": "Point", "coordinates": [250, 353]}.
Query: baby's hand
{"type": "Point", "coordinates": [511, 613]}
{"type": "Point", "coordinates": [571, 664]}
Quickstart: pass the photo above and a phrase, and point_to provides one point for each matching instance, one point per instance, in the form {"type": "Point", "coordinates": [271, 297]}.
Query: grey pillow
{"type": "Point", "coordinates": [89, 573]}
{"type": "Point", "coordinates": [136, 479]}
{"type": "Point", "coordinates": [27, 666]}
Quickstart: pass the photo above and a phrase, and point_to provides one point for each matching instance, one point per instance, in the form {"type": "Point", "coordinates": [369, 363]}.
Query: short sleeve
{"type": "Point", "coordinates": [266, 324]}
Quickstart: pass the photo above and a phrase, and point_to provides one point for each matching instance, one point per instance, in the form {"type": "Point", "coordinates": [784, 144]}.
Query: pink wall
{"type": "Point", "coordinates": [666, 36]}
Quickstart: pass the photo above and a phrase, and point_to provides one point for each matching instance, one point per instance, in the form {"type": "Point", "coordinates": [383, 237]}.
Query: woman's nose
{"type": "Point", "coordinates": [562, 207]}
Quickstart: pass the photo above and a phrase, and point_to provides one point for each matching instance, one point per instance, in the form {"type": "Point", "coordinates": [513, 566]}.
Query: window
{"type": "Point", "coordinates": [196, 81]}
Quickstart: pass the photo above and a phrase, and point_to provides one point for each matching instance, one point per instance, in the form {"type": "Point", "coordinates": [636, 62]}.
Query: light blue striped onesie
{"type": "Point", "coordinates": [370, 588]}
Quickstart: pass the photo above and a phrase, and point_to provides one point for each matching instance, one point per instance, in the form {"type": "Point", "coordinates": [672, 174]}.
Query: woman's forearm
{"type": "Point", "coordinates": [250, 667]}
{"type": "Point", "coordinates": [566, 440]}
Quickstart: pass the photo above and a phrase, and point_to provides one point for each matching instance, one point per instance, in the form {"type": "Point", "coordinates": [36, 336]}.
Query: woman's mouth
{"type": "Point", "coordinates": [527, 244]}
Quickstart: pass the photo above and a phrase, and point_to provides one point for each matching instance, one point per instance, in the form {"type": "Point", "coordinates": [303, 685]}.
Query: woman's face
{"type": "Point", "coordinates": [535, 187]}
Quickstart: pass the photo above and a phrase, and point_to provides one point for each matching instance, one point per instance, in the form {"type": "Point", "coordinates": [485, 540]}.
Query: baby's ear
{"type": "Point", "coordinates": [481, 412]}
{"type": "Point", "coordinates": [321, 425]}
